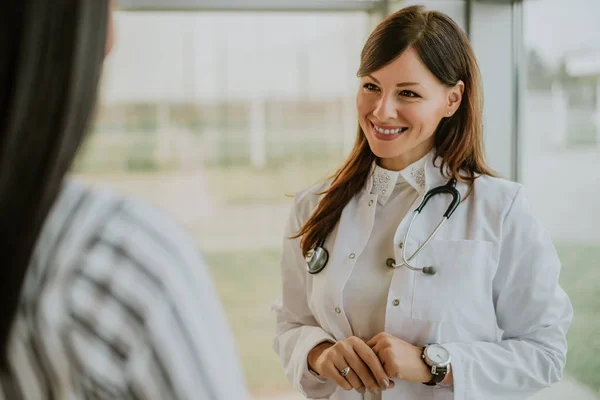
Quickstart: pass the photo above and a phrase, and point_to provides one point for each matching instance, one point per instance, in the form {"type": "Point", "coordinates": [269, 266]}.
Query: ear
{"type": "Point", "coordinates": [455, 94]}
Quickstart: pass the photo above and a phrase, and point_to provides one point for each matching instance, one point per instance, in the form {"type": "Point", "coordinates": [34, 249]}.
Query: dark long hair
{"type": "Point", "coordinates": [445, 50]}
{"type": "Point", "coordinates": [51, 54]}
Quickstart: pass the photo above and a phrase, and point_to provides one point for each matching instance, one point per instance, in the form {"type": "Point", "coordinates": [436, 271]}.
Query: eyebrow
{"type": "Point", "coordinates": [399, 84]}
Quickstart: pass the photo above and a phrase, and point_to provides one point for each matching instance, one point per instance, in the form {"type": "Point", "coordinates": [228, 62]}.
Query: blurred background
{"type": "Point", "coordinates": [218, 111]}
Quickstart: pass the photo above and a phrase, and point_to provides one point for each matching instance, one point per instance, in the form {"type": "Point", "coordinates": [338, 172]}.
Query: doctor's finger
{"type": "Point", "coordinates": [352, 376]}
{"type": "Point", "coordinates": [360, 376]}
{"type": "Point", "coordinates": [362, 371]}
{"type": "Point", "coordinates": [376, 348]}
{"type": "Point", "coordinates": [332, 372]}
{"type": "Point", "coordinates": [375, 366]}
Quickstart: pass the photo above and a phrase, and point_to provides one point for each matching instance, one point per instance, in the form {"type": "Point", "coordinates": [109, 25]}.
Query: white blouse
{"type": "Point", "coordinates": [366, 292]}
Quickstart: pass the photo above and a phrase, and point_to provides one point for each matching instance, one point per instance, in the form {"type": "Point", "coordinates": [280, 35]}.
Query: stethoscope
{"type": "Point", "coordinates": [316, 259]}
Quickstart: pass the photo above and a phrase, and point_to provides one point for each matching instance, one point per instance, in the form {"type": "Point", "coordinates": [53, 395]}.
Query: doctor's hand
{"type": "Point", "coordinates": [366, 372]}
{"type": "Point", "coordinates": [400, 359]}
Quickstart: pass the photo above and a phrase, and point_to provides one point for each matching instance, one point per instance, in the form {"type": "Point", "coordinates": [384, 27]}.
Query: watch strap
{"type": "Point", "coordinates": [437, 373]}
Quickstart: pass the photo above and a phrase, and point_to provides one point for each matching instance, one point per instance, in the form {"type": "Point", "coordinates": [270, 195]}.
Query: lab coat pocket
{"type": "Point", "coordinates": [461, 289]}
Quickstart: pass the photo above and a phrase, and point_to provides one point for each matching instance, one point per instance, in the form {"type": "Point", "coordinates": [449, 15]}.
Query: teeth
{"type": "Point", "coordinates": [388, 131]}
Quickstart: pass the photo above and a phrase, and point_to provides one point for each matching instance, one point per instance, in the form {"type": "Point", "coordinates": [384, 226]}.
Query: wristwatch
{"type": "Point", "coordinates": [438, 359]}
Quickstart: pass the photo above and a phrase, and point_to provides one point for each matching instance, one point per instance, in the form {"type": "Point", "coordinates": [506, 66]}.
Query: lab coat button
{"type": "Point", "coordinates": [396, 302]}
{"type": "Point", "coordinates": [337, 310]}
{"type": "Point", "coordinates": [370, 203]}
{"type": "Point", "coordinates": [351, 256]}
{"type": "Point", "coordinates": [400, 245]}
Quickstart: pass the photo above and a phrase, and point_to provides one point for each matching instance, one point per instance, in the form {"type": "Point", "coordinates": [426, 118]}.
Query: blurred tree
{"type": "Point", "coordinates": [539, 75]}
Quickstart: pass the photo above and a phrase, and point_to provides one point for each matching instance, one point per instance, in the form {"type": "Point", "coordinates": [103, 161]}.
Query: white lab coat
{"type": "Point", "coordinates": [495, 302]}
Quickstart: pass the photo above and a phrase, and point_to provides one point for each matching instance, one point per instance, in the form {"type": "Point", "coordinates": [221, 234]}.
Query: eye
{"type": "Point", "coordinates": [409, 93]}
{"type": "Point", "coordinates": [370, 87]}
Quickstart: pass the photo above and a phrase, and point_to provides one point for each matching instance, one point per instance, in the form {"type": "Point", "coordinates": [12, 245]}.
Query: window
{"type": "Point", "coordinates": [561, 156]}
{"type": "Point", "coordinates": [216, 117]}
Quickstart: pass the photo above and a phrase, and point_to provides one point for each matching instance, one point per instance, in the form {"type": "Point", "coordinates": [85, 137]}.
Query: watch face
{"type": "Point", "coordinates": [438, 354]}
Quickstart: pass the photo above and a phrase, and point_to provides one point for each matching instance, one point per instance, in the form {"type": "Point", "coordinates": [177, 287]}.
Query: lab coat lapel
{"type": "Point", "coordinates": [353, 233]}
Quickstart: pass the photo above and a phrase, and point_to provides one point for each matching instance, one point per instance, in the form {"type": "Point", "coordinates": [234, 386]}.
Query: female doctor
{"type": "Point", "coordinates": [478, 313]}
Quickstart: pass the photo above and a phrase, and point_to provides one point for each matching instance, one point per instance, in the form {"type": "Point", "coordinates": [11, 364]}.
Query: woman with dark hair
{"type": "Point", "coordinates": [100, 297]}
{"type": "Point", "coordinates": [373, 309]}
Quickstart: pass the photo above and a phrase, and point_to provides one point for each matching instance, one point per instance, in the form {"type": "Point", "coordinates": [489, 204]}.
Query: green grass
{"type": "Point", "coordinates": [249, 281]}
{"type": "Point", "coordinates": [580, 277]}
{"type": "Point", "coordinates": [285, 173]}
{"type": "Point", "coordinates": [256, 186]}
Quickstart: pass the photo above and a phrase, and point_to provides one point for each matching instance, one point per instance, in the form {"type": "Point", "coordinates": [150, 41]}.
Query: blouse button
{"type": "Point", "coordinates": [351, 256]}
{"type": "Point", "coordinates": [338, 310]}
{"type": "Point", "coordinates": [396, 303]}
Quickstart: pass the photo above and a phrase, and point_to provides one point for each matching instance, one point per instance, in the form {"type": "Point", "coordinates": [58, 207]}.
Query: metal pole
{"type": "Point", "coordinates": [468, 16]}
{"type": "Point", "coordinates": [251, 5]}
{"type": "Point", "coordinates": [384, 6]}
{"type": "Point", "coordinates": [518, 86]}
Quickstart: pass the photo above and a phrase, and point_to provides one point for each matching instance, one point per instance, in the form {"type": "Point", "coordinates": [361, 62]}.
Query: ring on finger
{"type": "Point", "coordinates": [344, 372]}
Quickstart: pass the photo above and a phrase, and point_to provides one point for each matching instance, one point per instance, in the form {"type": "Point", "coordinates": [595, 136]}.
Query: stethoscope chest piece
{"type": "Point", "coordinates": [316, 260]}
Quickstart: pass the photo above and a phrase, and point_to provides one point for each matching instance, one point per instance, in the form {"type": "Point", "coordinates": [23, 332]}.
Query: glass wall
{"type": "Point", "coordinates": [218, 118]}
{"type": "Point", "coordinates": [561, 156]}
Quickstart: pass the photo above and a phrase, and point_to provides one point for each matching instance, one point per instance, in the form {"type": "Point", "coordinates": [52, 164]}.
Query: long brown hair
{"type": "Point", "coordinates": [50, 66]}
{"type": "Point", "coordinates": [445, 50]}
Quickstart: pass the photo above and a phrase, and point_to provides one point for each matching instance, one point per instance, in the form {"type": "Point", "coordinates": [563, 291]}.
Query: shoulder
{"type": "Point", "coordinates": [120, 256]}
{"type": "Point", "coordinates": [506, 206]}
{"type": "Point", "coordinates": [96, 236]}
{"type": "Point", "coordinates": [495, 194]}
{"type": "Point", "coordinates": [127, 273]}
{"type": "Point", "coordinates": [84, 215]}
{"type": "Point", "coordinates": [495, 187]}
{"type": "Point", "coordinates": [307, 200]}
{"type": "Point", "coordinates": [147, 239]}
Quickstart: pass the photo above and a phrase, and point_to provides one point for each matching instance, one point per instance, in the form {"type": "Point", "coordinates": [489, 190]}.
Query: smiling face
{"type": "Point", "coordinates": [400, 107]}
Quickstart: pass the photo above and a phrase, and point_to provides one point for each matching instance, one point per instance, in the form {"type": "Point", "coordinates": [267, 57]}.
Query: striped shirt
{"type": "Point", "coordinates": [118, 304]}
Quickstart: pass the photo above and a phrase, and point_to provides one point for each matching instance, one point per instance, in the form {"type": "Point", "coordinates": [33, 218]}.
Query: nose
{"type": "Point", "coordinates": [385, 109]}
